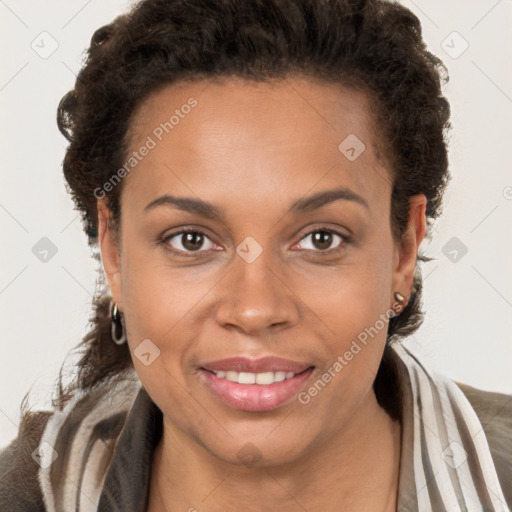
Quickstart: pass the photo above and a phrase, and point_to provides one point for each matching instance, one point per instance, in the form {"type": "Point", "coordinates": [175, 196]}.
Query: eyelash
{"type": "Point", "coordinates": [164, 241]}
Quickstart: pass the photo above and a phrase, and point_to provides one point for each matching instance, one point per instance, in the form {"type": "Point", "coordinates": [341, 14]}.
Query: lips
{"type": "Point", "coordinates": [255, 385]}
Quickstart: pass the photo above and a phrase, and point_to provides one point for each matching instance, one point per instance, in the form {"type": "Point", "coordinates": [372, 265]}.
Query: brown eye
{"type": "Point", "coordinates": [192, 241]}
{"type": "Point", "coordinates": [189, 241]}
{"type": "Point", "coordinates": [322, 240]}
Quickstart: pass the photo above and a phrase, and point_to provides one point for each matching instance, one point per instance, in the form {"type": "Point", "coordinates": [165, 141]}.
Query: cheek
{"type": "Point", "coordinates": [166, 305]}
{"type": "Point", "coordinates": [354, 303]}
{"type": "Point", "coordinates": [154, 303]}
{"type": "Point", "coordinates": [156, 293]}
{"type": "Point", "coordinates": [353, 295]}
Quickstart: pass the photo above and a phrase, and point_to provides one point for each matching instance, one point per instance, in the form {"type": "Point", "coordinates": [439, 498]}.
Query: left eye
{"type": "Point", "coordinates": [322, 239]}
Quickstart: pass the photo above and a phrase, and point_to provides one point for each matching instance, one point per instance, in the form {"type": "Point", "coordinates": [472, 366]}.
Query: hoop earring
{"type": "Point", "coordinates": [117, 326]}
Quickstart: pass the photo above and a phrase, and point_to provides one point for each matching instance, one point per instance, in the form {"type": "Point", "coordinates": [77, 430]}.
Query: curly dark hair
{"type": "Point", "coordinates": [374, 46]}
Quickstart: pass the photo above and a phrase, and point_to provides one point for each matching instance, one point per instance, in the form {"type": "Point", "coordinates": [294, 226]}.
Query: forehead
{"type": "Point", "coordinates": [313, 106]}
{"type": "Point", "coordinates": [282, 135]}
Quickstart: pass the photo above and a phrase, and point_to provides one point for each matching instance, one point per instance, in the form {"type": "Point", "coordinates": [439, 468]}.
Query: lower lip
{"type": "Point", "coordinates": [256, 397]}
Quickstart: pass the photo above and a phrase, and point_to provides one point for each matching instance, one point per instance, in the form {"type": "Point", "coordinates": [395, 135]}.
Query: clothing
{"type": "Point", "coordinates": [105, 441]}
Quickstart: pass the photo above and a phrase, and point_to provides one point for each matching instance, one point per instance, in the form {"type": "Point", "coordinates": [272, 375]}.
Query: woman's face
{"type": "Point", "coordinates": [291, 256]}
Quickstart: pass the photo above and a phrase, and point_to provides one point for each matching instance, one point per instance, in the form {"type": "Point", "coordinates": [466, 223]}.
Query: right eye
{"type": "Point", "coordinates": [187, 242]}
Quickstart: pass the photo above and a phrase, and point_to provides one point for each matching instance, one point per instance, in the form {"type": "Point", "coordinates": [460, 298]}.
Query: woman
{"type": "Point", "coordinates": [258, 177]}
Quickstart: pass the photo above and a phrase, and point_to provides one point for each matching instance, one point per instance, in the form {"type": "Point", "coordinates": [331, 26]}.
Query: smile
{"type": "Point", "coordinates": [255, 392]}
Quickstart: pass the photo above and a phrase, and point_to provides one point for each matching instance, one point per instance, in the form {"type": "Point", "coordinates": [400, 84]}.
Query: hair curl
{"type": "Point", "coordinates": [372, 45]}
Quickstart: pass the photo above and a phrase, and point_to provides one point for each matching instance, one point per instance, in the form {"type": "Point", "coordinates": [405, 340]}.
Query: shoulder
{"type": "Point", "coordinates": [53, 446]}
{"type": "Point", "coordinates": [494, 411]}
{"type": "Point", "coordinates": [19, 486]}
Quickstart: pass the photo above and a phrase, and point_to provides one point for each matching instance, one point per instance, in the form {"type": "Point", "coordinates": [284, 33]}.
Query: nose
{"type": "Point", "coordinates": [256, 297]}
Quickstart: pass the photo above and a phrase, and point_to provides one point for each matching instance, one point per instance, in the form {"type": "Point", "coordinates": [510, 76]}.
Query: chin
{"type": "Point", "coordinates": [258, 450]}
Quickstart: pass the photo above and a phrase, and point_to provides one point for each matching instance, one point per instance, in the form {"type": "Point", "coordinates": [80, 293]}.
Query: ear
{"type": "Point", "coordinates": [406, 251]}
{"type": "Point", "coordinates": [109, 252]}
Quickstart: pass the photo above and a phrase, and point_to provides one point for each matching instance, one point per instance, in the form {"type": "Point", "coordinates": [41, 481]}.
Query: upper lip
{"type": "Point", "coordinates": [265, 364]}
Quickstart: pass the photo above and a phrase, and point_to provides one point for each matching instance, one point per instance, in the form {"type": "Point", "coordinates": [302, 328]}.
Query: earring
{"type": "Point", "coordinates": [399, 298]}
{"type": "Point", "coordinates": [117, 327]}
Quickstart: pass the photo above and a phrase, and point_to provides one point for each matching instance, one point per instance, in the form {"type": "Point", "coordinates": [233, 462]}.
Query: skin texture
{"type": "Point", "coordinates": [253, 150]}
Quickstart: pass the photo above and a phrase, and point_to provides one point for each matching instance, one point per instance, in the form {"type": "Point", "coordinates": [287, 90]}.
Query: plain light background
{"type": "Point", "coordinates": [45, 306]}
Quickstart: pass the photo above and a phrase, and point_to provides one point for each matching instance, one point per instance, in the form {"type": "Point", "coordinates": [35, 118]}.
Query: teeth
{"type": "Point", "coordinates": [279, 376]}
{"type": "Point", "coordinates": [232, 376]}
{"type": "Point", "coordinates": [254, 378]}
{"type": "Point", "coordinates": [265, 378]}
{"type": "Point", "coordinates": [247, 378]}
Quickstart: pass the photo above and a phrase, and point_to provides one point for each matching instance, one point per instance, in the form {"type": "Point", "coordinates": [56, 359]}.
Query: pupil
{"type": "Point", "coordinates": [322, 239]}
{"type": "Point", "coordinates": [193, 241]}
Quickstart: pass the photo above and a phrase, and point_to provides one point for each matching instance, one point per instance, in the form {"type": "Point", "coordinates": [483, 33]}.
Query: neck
{"type": "Point", "coordinates": [357, 469]}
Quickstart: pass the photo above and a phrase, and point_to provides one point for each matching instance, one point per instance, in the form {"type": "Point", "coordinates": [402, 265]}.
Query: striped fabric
{"type": "Point", "coordinates": [104, 441]}
{"type": "Point", "coordinates": [83, 435]}
{"type": "Point", "coordinates": [446, 461]}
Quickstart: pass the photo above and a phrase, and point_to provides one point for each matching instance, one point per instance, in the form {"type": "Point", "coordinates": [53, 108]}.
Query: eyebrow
{"type": "Point", "coordinates": [302, 205]}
